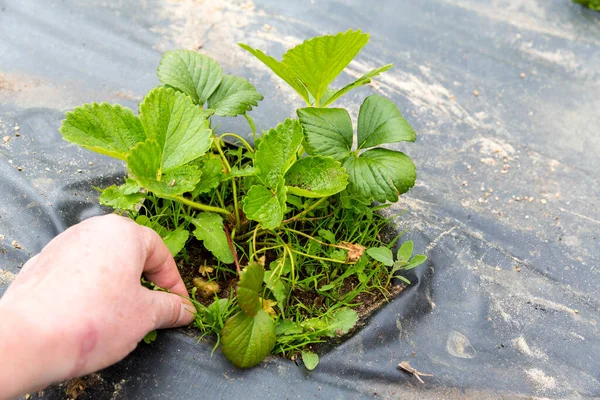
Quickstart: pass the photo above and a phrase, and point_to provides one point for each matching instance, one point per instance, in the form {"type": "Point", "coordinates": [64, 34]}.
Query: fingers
{"type": "Point", "coordinates": [160, 267]}
{"type": "Point", "coordinates": [169, 310]}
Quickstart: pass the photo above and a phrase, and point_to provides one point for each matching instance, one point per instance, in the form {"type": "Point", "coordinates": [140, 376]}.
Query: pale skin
{"type": "Point", "coordinates": [78, 306]}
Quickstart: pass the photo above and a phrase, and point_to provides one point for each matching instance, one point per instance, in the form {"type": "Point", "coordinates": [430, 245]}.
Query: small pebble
{"type": "Point", "coordinates": [517, 269]}
{"type": "Point", "coordinates": [531, 199]}
{"type": "Point", "coordinates": [465, 183]}
{"type": "Point", "coordinates": [496, 198]}
{"type": "Point", "coordinates": [19, 168]}
{"type": "Point", "coordinates": [17, 133]}
{"type": "Point", "coordinates": [16, 245]}
{"type": "Point", "coordinates": [523, 75]}
{"type": "Point", "coordinates": [543, 201]}
{"type": "Point", "coordinates": [475, 93]}
{"type": "Point", "coordinates": [79, 171]}
{"type": "Point", "coordinates": [91, 163]}
{"type": "Point", "coordinates": [5, 139]}
{"type": "Point", "coordinates": [17, 127]}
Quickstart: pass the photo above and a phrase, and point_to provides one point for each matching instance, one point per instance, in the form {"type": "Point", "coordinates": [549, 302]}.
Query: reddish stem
{"type": "Point", "coordinates": [235, 257]}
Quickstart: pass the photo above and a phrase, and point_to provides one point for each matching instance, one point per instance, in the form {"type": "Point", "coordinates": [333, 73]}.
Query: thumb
{"type": "Point", "coordinates": [169, 310]}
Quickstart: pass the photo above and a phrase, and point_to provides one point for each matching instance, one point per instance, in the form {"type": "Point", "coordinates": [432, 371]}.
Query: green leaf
{"type": "Point", "coordinates": [246, 171]}
{"type": "Point", "coordinates": [316, 176]}
{"type": "Point", "coordinates": [327, 131]}
{"type": "Point", "coordinates": [382, 254]}
{"type": "Point", "coordinates": [175, 240]}
{"type": "Point", "coordinates": [405, 251]}
{"type": "Point", "coordinates": [209, 229]}
{"type": "Point", "coordinates": [417, 260]}
{"type": "Point", "coordinates": [363, 80]}
{"type": "Point", "coordinates": [380, 121]}
{"type": "Point", "coordinates": [251, 281]}
{"type": "Point", "coordinates": [103, 128]}
{"type": "Point", "coordinates": [327, 235]}
{"type": "Point", "coordinates": [247, 340]}
{"type": "Point", "coordinates": [214, 312]}
{"type": "Point", "coordinates": [277, 151]}
{"type": "Point", "coordinates": [380, 174]}
{"type": "Point", "coordinates": [342, 322]}
{"type": "Point", "coordinates": [287, 327]}
{"type": "Point", "coordinates": [150, 337]}
{"type": "Point", "coordinates": [212, 174]}
{"type": "Point", "coordinates": [318, 61]}
{"type": "Point", "coordinates": [265, 206]}
{"type": "Point", "coordinates": [123, 197]}
{"type": "Point", "coordinates": [177, 125]}
{"type": "Point", "coordinates": [234, 96]}
{"type": "Point", "coordinates": [295, 201]}
{"type": "Point", "coordinates": [280, 70]}
{"type": "Point", "coordinates": [277, 287]}
{"type": "Point", "coordinates": [144, 166]}
{"type": "Point", "coordinates": [310, 359]}
{"type": "Point", "coordinates": [338, 254]}
{"type": "Point", "coordinates": [192, 73]}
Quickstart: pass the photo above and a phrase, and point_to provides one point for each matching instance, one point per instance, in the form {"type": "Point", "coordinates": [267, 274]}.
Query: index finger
{"type": "Point", "coordinates": [160, 267]}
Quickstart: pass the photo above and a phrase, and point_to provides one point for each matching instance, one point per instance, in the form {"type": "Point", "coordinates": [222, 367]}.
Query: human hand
{"type": "Point", "coordinates": [78, 306]}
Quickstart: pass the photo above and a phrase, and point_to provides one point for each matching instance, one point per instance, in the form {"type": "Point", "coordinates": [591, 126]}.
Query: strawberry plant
{"type": "Point", "coordinates": [279, 241]}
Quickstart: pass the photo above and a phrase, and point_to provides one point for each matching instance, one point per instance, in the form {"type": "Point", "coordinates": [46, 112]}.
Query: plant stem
{"type": "Point", "coordinates": [232, 248]}
{"type": "Point", "coordinates": [309, 209]}
{"type": "Point", "coordinates": [254, 240]}
{"type": "Point", "coordinates": [238, 222]}
{"type": "Point", "coordinates": [198, 206]}
{"type": "Point", "coordinates": [220, 198]}
{"type": "Point", "coordinates": [251, 233]}
{"type": "Point", "coordinates": [287, 248]}
{"type": "Point", "coordinates": [319, 258]}
{"type": "Point", "coordinates": [233, 185]}
{"type": "Point", "coordinates": [339, 246]}
{"type": "Point", "coordinates": [252, 126]}
{"type": "Point", "coordinates": [241, 139]}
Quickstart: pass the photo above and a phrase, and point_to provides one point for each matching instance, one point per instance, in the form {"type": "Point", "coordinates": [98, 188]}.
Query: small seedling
{"type": "Point", "coordinates": [283, 233]}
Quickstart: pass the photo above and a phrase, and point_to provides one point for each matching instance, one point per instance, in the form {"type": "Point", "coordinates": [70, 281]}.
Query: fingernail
{"type": "Point", "coordinates": [186, 314]}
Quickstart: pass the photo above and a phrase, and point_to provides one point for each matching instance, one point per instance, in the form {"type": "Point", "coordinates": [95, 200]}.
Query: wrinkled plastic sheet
{"type": "Point", "coordinates": [505, 96]}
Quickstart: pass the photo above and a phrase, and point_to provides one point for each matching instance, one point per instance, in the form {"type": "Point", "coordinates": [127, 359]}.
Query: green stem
{"type": "Point", "coordinates": [263, 249]}
{"type": "Point", "coordinates": [319, 258]}
{"type": "Point", "coordinates": [198, 206]}
{"type": "Point", "coordinates": [314, 239]}
{"type": "Point", "coordinates": [293, 272]}
{"type": "Point", "coordinates": [303, 213]}
{"type": "Point", "coordinates": [220, 198]}
{"type": "Point", "coordinates": [241, 139]}
{"type": "Point", "coordinates": [233, 185]}
{"type": "Point", "coordinates": [252, 126]}
{"type": "Point", "coordinates": [254, 241]}
{"type": "Point", "coordinates": [238, 222]}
